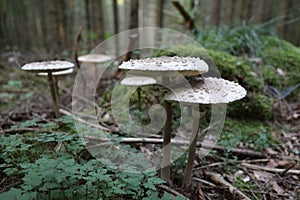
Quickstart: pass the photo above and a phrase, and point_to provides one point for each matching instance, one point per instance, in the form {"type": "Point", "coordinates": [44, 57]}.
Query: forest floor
{"type": "Point", "coordinates": [239, 171]}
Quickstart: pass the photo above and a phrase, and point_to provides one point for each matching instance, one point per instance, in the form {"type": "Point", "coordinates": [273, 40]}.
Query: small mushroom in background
{"type": "Point", "coordinates": [55, 78]}
{"type": "Point", "coordinates": [138, 81]}
{"type": "Point", "coordinates": [166, 67]}
{"type": "Point", "coordinates": [212, 91]}
{"type": "Point", "coordinates": [49, 67]}
{"type": "Point", "coordinates": [94, 59]}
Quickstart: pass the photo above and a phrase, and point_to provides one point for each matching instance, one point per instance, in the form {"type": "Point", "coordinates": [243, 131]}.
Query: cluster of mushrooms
{"type": "Point", "coordinates": [55, 68]}
{"type": "Point", "coordinates": [204, 91]}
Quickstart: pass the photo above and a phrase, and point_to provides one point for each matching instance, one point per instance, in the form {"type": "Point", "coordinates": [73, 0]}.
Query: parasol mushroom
{"type": "Point", "coordinates": [211, 91]}
{"type": "Point", "coordinates": [138, 81]}
{"type": "Point", "coordinates": [49, 67]}
{"type": "Point", "coordinates": [166, 67]}
{"type": "Point", "coordinates": [94, 59]}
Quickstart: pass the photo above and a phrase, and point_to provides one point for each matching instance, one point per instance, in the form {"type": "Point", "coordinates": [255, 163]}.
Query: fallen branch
{"type": "Point", "coordinates": [204, 181]}
{"type": "Point", "coordinates": [170, 190]}
{"type": "Point", "coordinates": [187, 18]}
{"type": "Point", "coordinates": [218, 179]}
{"type": "Point", "coordinates": [269, 169]}
{"type": "Point", "coordinates": [236, 151]}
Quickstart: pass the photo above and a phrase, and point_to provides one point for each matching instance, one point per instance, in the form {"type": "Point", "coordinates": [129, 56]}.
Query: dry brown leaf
{"type": "Point", "coordinates": [262, 176]}
{"type": "Point", "coordinates": [271, 151]}
{"type": "Point", "coordinates": [272, 163]}
{"type": "Point", "coordinates": [284, 163]}
{"type": "Point", "coordinates": [198, 193]}
{"type": "Point", "coordinates": [295, 177]}
{"type": "Point", "coordinates": [277, 188]}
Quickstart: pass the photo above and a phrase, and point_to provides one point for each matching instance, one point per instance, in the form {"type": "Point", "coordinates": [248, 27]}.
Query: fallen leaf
{"type": "Point", "coordinates": [284, 163]}
{"type": "Point", "coordinates": [198, 193]}
{"type": "Point", "coordinates": [272, 163]}
{"type": "Point", "coordinates": [271, 151]}
{"type": "Point", "coordinates": [277, 188]}
{"type": "Point", "coordinates": [262, 176]}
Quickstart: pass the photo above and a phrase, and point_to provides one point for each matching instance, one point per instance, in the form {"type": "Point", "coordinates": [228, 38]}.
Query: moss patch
{"type": "Point", "coordinates": [251, 133]}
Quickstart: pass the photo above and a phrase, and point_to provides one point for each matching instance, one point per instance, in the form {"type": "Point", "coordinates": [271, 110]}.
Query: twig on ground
{"type": "Point", "coordinates": [170, 190]}
{"type": "Point", "coordinates": [218, 179]}
{"type": "Point", "coordinates": [204, 181]}
{"type": "Point", "coordinates": [269, 169]}
{"type": "Point", "coordinates": [236, 151]}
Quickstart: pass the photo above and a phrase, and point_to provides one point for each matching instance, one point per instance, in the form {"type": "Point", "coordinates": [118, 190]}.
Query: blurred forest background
{"type": "Point", "coordinates": [252, 42]}
{"type": "Point", "coordinates": [50, 27]}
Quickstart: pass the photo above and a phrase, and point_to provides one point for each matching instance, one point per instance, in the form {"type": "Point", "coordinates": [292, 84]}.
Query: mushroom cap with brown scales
{"type": "Point", "coordinates": [59, 73]}
{"type": "Point", "coordinates": [94, 58]}
{"type": "Point", "coordinates": [211, 91]}
{"type": "Point", "coordinates": [138, 81]}
{"type": "Point", "coordinates": [187, 66]}
{"type": "Point", "coordinates": [47, 66]}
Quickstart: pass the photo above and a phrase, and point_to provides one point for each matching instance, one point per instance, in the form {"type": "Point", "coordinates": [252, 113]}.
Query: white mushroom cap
{"type": "Point", "coordinates": [188, 66]}
{"type": "Point", "coordinates": [138, 81]}
{"type": "Point", "coordinates": [212, 91]}
{"type": "Point", "coordinates": [48, 66]}
{"type": "Point", "coordinates": [95, 58]}
{"type": "Point", "coordinates": [60, 73]}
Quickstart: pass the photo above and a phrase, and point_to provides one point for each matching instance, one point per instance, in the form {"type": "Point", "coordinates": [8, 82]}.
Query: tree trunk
{"type": "Point", "coordinates": [99, 20]}
{"type": "Point", "coordinates": [54, 42]}
{"type": "Point", "coordinates": [61, 23]}
{"type": "Point", "coordinates": [259, 14]}
{"type": "Point", "coordinates": [281, 12]}
{"type": "Point", "coordinates": [226, 7]}
{"type": "Point", "coordinates": [134, 23]}
{"type": "Point", "coordinates": [159, 17]}
{"type": "Point", "coordinates": [116, 25]}
{"type": "Point", "coordinates": [23, 24]}
{"type": "Point", "coordinates": [159, 11]}
{"type": "Point", "coordinates": [216, 12]}
{"type": "Point", "coordinates": [87, 18]}
{"type": "Point", "coordinates": [289, 5]}
{"type": "Point", "coordinates": [232, 11]}
{"type": "Point", "coordinates": [249, 10]}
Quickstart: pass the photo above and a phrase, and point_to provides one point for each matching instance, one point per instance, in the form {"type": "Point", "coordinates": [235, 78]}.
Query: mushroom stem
{"type": "Point", "coordinates": [55, 80]}
{"type": "Point", "coordinates": [165, 171]}
{"type": "Point", "coordinates": [95, 75]}
{"type": "Point", "coordinates": [53, 94]}
{"type": "Point", "coordinates": [192, 149]}
{"type": "Point", "coordinates": [139, 99]}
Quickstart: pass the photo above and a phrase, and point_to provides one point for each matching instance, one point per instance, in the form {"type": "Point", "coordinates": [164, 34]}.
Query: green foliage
{"type": "Point", "coordinates": [12, 91]}
{"type": "Point", "coordinates": [256, 41]}
{"type": "Point", "coordinates": [13, 84]}
{"type": "Point", "coordinates": [254, 106]}
{"type": "Point", "coordinates": [241, 40]}
{"type": "Point", "coordinates": [249, 186]}
{"type": "Point", "coordinates": [283, 55]}
{"type": "Point", "coordinates": [255, 134]}
{"type": "Point", "coordinates": [51, 167]}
